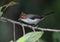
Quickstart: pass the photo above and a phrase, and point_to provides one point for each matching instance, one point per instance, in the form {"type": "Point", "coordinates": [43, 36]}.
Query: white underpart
{"type": "Point", "coordinates": [30, 21]}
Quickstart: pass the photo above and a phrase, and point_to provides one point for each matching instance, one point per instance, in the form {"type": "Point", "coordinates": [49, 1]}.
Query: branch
{"type": "Point", "coordinates": [38, 28]}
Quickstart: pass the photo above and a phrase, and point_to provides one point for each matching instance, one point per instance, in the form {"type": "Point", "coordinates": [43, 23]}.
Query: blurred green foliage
{"type": "Point", "coordinates": [51, 21]}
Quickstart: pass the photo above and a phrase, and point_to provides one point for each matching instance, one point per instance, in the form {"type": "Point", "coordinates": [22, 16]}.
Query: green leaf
{"type": "Point", "coordinates": [0, 11]}
{"type": "Point", "coordinates": [30, 37]}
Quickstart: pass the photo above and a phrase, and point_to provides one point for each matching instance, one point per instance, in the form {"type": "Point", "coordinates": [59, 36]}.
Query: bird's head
{"type": "Point", "coordinates": [23, 15]}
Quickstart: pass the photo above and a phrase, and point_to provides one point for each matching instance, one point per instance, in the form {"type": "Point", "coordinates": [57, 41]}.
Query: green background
{"type": "Point", "coordinates": [51, 21]}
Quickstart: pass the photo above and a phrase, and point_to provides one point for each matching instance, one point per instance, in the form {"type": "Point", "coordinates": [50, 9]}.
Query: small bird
{"type": "Point", "coordinates": [30, 18]}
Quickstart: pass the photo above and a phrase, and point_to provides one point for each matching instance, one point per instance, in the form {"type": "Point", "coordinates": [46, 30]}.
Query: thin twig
{"type": "Point", "coordinates": [23, 30]}
{"type": "Point", "coordinates": [14, 38]}
{"type": "Point", "coordinates": [38, 28]}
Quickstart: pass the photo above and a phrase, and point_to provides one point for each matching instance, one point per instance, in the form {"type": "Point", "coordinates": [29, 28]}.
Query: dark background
{"type": "Point", "coordinates": [36, 7]}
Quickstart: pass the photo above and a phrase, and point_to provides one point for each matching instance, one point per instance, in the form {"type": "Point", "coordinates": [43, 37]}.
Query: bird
{"type": "Point", "coordinates": [30, 18]}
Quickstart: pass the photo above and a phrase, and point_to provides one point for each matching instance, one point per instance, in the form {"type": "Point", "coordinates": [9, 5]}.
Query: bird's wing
{"type": "Point", "coordinates": [30, 21]}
